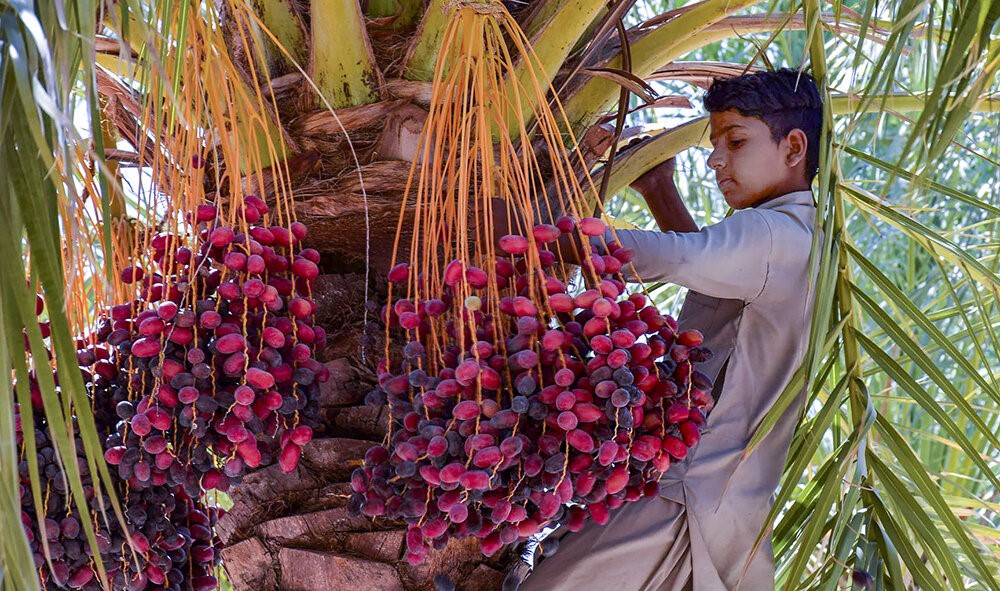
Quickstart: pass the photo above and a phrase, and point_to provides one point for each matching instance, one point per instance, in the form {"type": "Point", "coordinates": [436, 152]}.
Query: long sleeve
{"type": "Point", "coordinates": [725, 260]}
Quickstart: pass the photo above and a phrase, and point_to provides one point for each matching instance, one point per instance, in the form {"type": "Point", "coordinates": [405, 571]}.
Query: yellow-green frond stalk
{"type": "Point", "coordinates": [422, 54]}
{"type": "Point", "coordinates": [343, 64]}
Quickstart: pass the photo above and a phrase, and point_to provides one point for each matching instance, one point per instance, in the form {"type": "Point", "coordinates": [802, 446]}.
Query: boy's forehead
{"type": "Point", "coordinates": [724, 121]}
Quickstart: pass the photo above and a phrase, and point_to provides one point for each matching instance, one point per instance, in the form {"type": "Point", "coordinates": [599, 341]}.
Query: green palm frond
{"type": "Point", "coordinates": [903, 511]}
{"type": "Point", "coordinates": [894, 467]}
{"type": "Point", "coordinates": [58, 201]}
{"type": "Point", "coordinates": [42, 69]}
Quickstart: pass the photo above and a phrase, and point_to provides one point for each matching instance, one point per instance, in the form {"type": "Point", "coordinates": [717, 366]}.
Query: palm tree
{"type": "Point", "coordinates": [893, 471]}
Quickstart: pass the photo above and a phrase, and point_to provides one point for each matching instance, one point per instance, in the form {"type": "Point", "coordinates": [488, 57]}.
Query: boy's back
{"type": "Point", "coordinates": [761, 345]}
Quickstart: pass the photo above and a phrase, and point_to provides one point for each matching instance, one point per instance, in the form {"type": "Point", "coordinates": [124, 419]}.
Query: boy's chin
{"type": "Point", "coordinates": [737, 200]}
{"type": "Point", "coordinates": [741, 199]}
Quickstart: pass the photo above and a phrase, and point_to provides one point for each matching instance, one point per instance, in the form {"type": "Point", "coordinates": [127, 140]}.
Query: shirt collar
{"type": "Point", "coordinates": [793, 198]}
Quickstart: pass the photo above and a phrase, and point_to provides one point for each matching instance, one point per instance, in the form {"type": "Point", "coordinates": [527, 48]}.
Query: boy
{"type": "Point", "coordinates": [750, 294]}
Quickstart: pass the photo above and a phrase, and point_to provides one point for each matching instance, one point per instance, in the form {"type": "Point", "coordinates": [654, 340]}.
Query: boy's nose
{"type": "Point", "coordinates": [715, 162]}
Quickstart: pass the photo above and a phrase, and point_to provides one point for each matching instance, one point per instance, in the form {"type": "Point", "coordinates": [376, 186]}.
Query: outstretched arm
{"type": "Point", "coordinates": [656, 186]}
{"type": "Point", "coordinates": [664, 201]}
{"type": "Point", "coordinates": [723, 260]}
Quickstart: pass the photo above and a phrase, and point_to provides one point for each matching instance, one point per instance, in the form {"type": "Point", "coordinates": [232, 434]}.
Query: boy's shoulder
{"type": "Point", "coordinates": [794, 212]}
{"type": "Point", "coordinates": [792, 200]}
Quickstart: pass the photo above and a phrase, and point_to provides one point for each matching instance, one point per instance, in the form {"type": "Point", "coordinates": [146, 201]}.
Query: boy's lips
{"type": "Point", "coordinates": [723, 180]}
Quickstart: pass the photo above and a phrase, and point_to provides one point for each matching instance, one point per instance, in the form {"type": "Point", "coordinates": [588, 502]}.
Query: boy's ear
{"type": "Point", "coordinates": [797, 143]}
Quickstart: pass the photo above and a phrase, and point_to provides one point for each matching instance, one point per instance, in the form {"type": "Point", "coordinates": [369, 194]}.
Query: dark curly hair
{"type": "Point", "coordinates": [784, 99]}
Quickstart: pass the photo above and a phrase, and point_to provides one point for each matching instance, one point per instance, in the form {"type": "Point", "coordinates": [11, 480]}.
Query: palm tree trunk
{"type": "Point", "coordinates": [293, 531]}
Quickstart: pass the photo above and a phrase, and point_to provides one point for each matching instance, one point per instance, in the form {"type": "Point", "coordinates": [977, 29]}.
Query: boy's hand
{"type": "Point", "coordinates": [658, 189]}
{"type": "Point", "coordinates": [656, 177]}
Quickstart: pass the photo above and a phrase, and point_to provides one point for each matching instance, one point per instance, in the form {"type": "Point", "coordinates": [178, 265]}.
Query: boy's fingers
{"type": "Point", "coordinates": [653, 176]}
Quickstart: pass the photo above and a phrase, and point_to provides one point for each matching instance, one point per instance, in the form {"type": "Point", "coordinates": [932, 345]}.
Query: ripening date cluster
{"type": "Point", "coordinates": [210, 368]}
{"type": "Point", "coordinates": [170, 530]}
{"type": "Point", "coordinates": [209, 372]}
{"type": "Point", "coordinates": [552, 409]}
{"type": "Point", "coordinates": [62, 529]}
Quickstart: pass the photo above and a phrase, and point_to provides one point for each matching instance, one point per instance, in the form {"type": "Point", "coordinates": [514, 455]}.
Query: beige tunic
{"type": "Point", "coordinates": [751, 296]}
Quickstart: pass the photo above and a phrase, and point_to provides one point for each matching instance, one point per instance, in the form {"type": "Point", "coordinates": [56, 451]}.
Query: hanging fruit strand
{"type": "Point", "coordinates": [201, 366]}
{"type": "Point", "coordinates": [518, 400]}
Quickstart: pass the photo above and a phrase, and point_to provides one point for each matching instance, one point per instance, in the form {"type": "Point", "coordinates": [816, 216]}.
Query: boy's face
{"type": "Point", "coordinates": [750, 167]}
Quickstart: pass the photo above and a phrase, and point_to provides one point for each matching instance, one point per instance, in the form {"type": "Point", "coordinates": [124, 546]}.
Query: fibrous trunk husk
{"type": "Point", "coordinates": [293, 531]}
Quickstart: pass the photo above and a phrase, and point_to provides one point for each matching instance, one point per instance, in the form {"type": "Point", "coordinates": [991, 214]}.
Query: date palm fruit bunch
{"type": "Point", "coordinates": [170, 532]}
{"type": "Point", "coordinates": [211, 365]}
{"type": "Point", "coordinates": [203, 365]}
{"type": "Point", "coordinates": [169, 542]}
{"type": "Point", "coordinates": [208, 371]}
{"type": "Point", "coordinates": [524, 395]}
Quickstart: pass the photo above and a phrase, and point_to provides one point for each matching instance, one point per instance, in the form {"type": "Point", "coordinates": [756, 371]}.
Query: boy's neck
{"type": "Point", "coordinates": [781, 192]}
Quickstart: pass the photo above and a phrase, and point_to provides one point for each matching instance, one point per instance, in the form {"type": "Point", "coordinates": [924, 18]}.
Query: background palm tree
{"type": "Point", "coordinates": [894, 469]}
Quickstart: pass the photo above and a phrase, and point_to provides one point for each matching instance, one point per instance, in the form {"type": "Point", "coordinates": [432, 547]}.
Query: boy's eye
{"type": "Point", "coordinates": [735, 143]}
